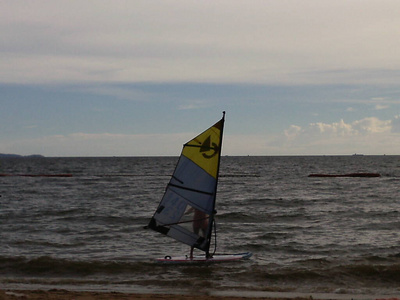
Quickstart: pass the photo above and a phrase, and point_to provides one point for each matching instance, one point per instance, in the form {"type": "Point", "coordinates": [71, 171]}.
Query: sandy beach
{"type": "Point", "coordinates": [62, 294]}
{"type": "Point", "coordinates": [57, 294]}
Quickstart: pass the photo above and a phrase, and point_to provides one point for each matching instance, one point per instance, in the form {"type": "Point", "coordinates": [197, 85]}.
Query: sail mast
{"type": "Point", "coordinates": [211, 223]}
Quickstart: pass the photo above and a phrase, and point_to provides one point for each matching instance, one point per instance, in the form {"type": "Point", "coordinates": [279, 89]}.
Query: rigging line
{"type": "Point", "coordinates": [190, 189]}
{"type": "Point", "coordinates": [177, 179]}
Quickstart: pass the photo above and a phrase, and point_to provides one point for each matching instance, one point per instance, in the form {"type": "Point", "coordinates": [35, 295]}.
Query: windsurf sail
{"type": "Point", "coordinates": [186, 211]}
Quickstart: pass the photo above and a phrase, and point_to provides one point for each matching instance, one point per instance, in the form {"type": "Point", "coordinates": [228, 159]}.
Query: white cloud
{"type": "Point", "coordinates": [334, 129]}
{"type": "Point", "coordinates": [369, 136]}
{"type": "Point", "coordinates": [292, 132]}
{"type": "Point", "coordinates": [380, 107]}
{"type": "Point", "coordinates": [372, 125]}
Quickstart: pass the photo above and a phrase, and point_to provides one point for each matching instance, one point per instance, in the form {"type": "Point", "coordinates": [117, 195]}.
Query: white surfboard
{"type": "Point", "coordinates": [217, 258]}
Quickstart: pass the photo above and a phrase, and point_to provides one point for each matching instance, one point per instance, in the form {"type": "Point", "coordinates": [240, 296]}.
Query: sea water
{"type": "Point", "coordinates": [307, 234]}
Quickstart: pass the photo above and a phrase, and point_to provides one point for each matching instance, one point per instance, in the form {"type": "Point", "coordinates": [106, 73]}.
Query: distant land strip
{"type": "Point", "coordinates": [3, 155]}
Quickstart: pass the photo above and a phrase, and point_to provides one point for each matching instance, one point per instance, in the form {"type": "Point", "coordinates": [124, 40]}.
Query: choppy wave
{"type": "Point", "coordinates": [51, 266]}
{"type": "Point", "coordinates": [316, 274]}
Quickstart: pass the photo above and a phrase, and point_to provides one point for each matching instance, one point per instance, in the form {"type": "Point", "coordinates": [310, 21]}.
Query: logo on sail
{"type": "Point", "coordinates": [206, 147]}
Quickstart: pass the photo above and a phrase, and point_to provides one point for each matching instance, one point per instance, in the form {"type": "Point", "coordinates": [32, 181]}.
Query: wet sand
{"type": "Point", "coordinates": [80, 295]}
{"type": "Point", "coordinates": [61, 294]}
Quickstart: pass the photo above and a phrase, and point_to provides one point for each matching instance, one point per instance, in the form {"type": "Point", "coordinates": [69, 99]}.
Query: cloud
{"type": "Point", "coordinates": [380, 107]}
{"type": "Point", "coordinates": [341, 128]}
{"type": "Point", "coordinates": [219, 41]}
{"type": "Point", "coordinates": [396, 124]}
{"type": "Point", "coordinates": [194, 104]}
{"type": "Point", "coordinates": [116, 92]}
{"type": "Point", "coordinates": [369, 135]}
{"type": "Point", "coordinates": [371, 125]}
{"type": "Point", "coordinates": [293, 132]}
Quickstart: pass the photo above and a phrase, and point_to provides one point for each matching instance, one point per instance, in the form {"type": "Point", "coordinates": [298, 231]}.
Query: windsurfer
{"type": "Point", "coordinates": [200, 222]}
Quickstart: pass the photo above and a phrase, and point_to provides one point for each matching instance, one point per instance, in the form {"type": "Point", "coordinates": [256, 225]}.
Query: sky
{"type": "Point", "coordinates": [140, 78]}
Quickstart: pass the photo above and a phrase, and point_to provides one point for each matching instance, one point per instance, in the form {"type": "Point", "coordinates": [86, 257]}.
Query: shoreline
{"type": "Point", "coordinates": [63, 294]}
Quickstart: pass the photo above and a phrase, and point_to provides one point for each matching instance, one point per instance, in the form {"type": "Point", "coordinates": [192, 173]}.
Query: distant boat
{"type": "Point", "coordinates": [187, 210]}
{"type": "Point", "coordinates": [357, 154]}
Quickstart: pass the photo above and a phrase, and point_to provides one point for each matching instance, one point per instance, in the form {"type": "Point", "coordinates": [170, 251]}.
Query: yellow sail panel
{"type": "Point", "coordinates": [204, 149]}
